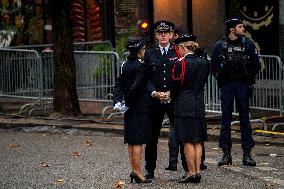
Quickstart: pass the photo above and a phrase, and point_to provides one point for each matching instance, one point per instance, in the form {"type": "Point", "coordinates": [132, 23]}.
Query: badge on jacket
{"type": "Point", "coordinates": [173, 58]}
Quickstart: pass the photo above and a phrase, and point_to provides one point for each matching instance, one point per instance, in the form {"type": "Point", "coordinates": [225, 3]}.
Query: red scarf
{"type": "Point", "coordinates": [181, 76]}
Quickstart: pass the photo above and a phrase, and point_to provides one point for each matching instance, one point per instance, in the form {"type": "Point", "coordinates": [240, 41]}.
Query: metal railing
{"type": "Point", "coordinates": [268, 90]}
{"type": "Point", "coordinates": [78, 46]}
{"type": "Point", "coordinates": [269, 87]}
{"type": "Point", "coordinates": [20, 73]}
{"type": "Point", "coordinates": [96, 72]}
{"type": "Point", "coordinates": [26, 73]}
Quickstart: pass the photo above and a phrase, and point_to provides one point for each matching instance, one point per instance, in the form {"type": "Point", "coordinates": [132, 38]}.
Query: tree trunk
{"type": "Point", "coordinates": [65, 98]}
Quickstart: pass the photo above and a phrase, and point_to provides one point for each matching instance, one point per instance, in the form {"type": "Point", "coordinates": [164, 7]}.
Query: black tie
{"type": "Point", "coordinates": [164, 51]}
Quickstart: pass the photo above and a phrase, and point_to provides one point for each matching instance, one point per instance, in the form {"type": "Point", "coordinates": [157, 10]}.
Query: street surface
{"type": "Point", "coordinates": [75, 159]}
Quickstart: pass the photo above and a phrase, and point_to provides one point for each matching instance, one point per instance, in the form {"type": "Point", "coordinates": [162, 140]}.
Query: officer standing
{"type": "Point", "coordinates": [191, 75]}
{"type": "Point", "coordinates": [160, 60]}
{"type": "Point", "coordinates": [132, 86]}
{"type": "Point", "coordinates": [202, 53]}
{"type": "Point", "coordinates": [235, 64]}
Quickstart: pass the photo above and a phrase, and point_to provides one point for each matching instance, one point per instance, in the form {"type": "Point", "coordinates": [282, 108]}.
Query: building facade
{"type": "Point", "coordinates": [117, 19]}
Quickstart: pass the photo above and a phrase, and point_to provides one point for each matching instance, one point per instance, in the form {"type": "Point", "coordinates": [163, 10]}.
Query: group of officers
{"type": "Point", "coordinates": [170, 78]}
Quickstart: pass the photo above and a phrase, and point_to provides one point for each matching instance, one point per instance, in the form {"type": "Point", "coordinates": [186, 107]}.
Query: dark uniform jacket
{"type": "Point", "coordinates": [132, 85]}
{"type": "Point", "coordinates": [235, 60]}
{"type": "Point", "coordinates": [189, 94]}
{"type": "Point", "coordinates": [160, 68]}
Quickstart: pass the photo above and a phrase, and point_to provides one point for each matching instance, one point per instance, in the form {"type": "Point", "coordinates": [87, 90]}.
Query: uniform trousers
{"type": "Point", "coordinates": [158, 111]}
{"type": "Point", "coordinates": [240, 92]}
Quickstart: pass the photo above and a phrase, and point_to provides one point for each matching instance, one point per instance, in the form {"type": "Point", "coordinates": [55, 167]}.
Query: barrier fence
{"type": "Point", "coordinates": [268, 90]}
{"type": "Point", "coordinates": [78, 46]}
{"type": "Point", "coordinates": [20, 73]}
{"type": "Point", "coordinates": [96, 72]}
{"type": "Point", "coordinates": [26, 73]}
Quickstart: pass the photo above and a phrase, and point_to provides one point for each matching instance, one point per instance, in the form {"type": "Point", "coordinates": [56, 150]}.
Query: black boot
{"type": "Point", "coordinates": [247, 159]}
{"type": "Point", "coordinates": [226, 159]}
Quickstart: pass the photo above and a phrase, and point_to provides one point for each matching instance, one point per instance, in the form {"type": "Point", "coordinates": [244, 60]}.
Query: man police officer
{"type": "Point", "coordinates": [160, 60]}
{"type": "Point", "coordinates": [235, 64]}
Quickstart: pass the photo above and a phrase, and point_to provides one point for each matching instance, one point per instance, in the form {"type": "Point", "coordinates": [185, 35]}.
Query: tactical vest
{"type": "Point", "coordinates": [235, 62]}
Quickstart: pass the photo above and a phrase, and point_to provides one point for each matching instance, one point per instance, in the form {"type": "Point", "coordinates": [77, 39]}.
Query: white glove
{"type": "Point", "coordinates": [124, 108]}
{"type": "Point", "coordinates": [117, 106]}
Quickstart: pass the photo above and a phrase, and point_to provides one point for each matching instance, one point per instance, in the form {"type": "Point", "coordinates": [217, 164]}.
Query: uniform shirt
{"type": "Point", "coordinates": [160, 68]}
{"type": "Point", "coordinates": [166, 48]}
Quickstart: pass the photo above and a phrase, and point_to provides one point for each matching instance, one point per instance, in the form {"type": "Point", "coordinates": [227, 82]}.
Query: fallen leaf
{"type": "Point", "coordinates": [118, 184]}
{"type": "Point", "coordinates": [76, 154]}
{"type": "Point", "coordinates": [44, 164]}
{"type": "Point", "coordinates": [14, 145]}
{"type": "Point", "coordinates": [89, 143]}
{"type": "Point", "coordinates": [59, 181]}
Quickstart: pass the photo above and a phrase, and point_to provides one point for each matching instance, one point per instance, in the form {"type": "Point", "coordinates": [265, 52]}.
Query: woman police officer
{"type": "Point", "coordinates": [132, 85]}
{"type": "Point", "coordinates": [190, 76]}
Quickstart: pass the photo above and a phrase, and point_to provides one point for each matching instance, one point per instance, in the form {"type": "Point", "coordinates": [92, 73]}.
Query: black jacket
{"type": "Point", "coordinates": [243, 70]}
{"type": "Point", "coordinates": [132, 86]}
{"type": "Point", "coordinates": [189, 94]}
{"type": "Point", "coordinates": [160, 68]}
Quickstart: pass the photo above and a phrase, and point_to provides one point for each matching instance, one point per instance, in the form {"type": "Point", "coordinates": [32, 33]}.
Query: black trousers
{"type": "Point", "coordinates": [158, 112]}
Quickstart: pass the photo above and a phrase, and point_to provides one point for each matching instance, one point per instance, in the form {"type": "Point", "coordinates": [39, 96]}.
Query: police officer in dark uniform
{"type": "Point", "coordinates": [132, 86]}
{"type": "Point", "coordinates": [235, 64]}
{"type": "Point", "coordinates": [190, 75]}
{"type": "Point", "coordinates": [160, 60]}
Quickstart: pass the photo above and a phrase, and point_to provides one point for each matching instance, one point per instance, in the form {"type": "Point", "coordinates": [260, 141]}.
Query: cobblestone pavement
{"type": "Point", "coordinates": [77, 159]}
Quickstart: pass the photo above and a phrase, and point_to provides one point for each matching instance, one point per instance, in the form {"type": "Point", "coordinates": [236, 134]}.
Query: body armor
{"type": "Point", "coordinates": [235, 62]}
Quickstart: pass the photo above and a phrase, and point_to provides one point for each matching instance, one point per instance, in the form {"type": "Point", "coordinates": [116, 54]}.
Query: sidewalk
{"type": "Point", "coordinates": [16, 122]}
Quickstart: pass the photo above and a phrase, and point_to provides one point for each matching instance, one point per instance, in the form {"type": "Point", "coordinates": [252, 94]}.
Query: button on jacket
{"type": "Point", "coordinates": [160, 68]}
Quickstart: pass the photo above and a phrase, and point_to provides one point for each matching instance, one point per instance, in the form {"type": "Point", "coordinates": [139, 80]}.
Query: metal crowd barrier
{"type": "Point", "coordinates": [268, 90]}
{"type": "Point", "coordinates": [96, 72]}
{"type": "Point", "coordinates": [20, 73]}
{"type": "Point", "coordinates": [78, 46]}
{"type": "Point", "coordinates": [269, 87]}
{"type": "Point", "coordinates": [25, 73]}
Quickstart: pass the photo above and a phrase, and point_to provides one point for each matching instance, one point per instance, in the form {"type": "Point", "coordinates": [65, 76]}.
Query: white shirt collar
{"type": "Point", "coordinates": [167, 48]}
{"type": "Point", "coordinates": [185, 56]}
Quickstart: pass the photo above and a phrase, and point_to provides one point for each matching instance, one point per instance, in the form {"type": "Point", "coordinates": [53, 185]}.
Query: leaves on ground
{"type": "Point", "coordinates": [14, 145]}
{"type": "Point", "coordinates": [118, 184]}
{"type": "Point", "coordinates": [45, 164]}
{"type": "Point", "coordinates": [89, 143]}
{"type": "Point", "coordinates": [59, 181]}
{"type": "Point", "coordinates": [76, 154]}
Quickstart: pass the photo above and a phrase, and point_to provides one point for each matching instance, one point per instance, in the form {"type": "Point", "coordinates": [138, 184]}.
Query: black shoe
{"type": "Point", "coordinates": [247, 159]}
{"type": "Point", "coordinates": [149, 174]}
{"type": "Point", "coordinates": [189, 179]}
{"type": "Point", "coordinates": [134, 176]}
{"type": "Point", "coordinates": [184, 174]}
{"type": "Point", "coordinates": [171, 168]}
{"type": "Point", "coordinates": [198, 177]}
{"type": "Point", "coordinates": [226, 159]}
{"type": "Point", "coordinates": [203, 166]}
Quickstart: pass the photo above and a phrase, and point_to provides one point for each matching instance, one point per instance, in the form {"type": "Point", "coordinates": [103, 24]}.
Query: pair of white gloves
{"type": "Point", "coordinates": [120, 107]}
